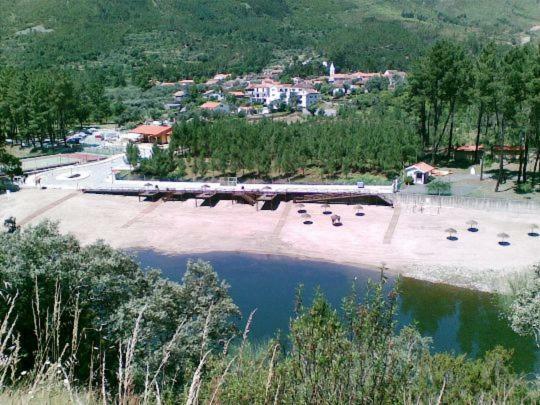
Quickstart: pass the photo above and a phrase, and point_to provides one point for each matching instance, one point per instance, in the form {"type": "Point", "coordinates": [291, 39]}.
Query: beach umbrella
{"type": "Point", "coordinates": [450, 232]}
{"type": "Point", "coordinates": [205, 186]}
{"type": "Point", "coordinates": [472, 224]}
{"type": "Point", "coordinates": [267, 188]}
{"type": "Point", "coordinates": [301, 208]}
{"type": "Point", "coordinates": [358, 208]}
{"type": "Point", "coordinates": [306, 218]}
{"type": "Point", "coordinates": [503, 236]}
{"type": "Point", "coordinates": [534, 230]}
{"type": "Point", "coordinates": [325, 207]}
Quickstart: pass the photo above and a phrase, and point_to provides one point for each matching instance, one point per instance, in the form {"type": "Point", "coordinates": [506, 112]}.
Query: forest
{"type": "Point", "coordinates": [39, 108]}
{"type": "Point", "coordinates": [235, 146]}
{"type": "Point", "coordinates": [167, 40]}
{"type": "Point", "coordinates": [84, 324]}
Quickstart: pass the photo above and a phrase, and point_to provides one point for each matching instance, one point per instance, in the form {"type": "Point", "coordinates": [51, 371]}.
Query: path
{"type": "Point", "coordinates": [144, 212]}
{"type": "Point", "coordinates": [52, 205]}
{"type": "Point", "coordinates": [392, 226]}
{"type": "Point", "coordinates": [282, 220]}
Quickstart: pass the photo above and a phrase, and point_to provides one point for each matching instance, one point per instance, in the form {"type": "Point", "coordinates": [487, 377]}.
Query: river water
{"type": "Point", "coordinates": [458, 320]}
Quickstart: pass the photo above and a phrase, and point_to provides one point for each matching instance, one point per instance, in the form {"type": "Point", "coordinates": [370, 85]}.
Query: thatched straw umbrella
{"type": "Point", "coordinates": [473, 225]}
{"type": "Point", "coordinates": [336, 220]}
{"type": "Point", "coordinates": [503, 236]}
{"type": "Point", "coordinates": [326, 208]}
{"type": "Point", "coordinates": [359, 208]}
{"type": "Point", "coordinates": [451, 232]}
{"type": "Point", "coordinates": [306, 218]}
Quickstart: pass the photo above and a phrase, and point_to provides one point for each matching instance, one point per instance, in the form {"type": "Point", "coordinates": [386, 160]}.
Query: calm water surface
{"type": "Point", "coordinates": [458, 320]}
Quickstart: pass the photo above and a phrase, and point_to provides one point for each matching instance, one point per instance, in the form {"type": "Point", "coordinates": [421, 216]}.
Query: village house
{"type": "Point", "coordinates": [467, 152]}
{"type": "Point", "coordinates": [419, 172]}
{"type": "Point", "coordinates": [246, 110]}
{"type": "Point", "coordinates": [215, 106]}
{"type": "Point", "coordinates": [395, 77]}
{"type": "Point", "coordinates": [180, 95]}
{"type": "Point", "coordinates": [186, 83]}
{"type": "Point", "coordinates": [159, 134]}
{"type": "Point", "coordinates": [270, 92]}
{"type": "Point", "coordinates": [213, 95]}
{"type": "Point", "coordinates": [237, 94]}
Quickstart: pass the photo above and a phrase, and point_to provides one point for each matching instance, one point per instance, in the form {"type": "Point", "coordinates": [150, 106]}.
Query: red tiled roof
{"type": "Point", "coordinates": [469, 148]}
{"type": "Point", "coordinates": [508, 148]}
{"type": "Point", "coordinates": [152, 130]}
{"type": "Point", "coordinates": [423, 167]}
{"type": "Point", "coordinates": [210, 105]}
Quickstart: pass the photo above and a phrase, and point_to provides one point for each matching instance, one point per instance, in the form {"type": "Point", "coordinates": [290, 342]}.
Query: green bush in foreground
{"type": "Point", "coordinates": [86, 325]}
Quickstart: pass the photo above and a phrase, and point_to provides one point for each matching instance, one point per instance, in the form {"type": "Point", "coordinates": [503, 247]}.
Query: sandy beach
{"type": "Point", "coordinates": [408, 242]}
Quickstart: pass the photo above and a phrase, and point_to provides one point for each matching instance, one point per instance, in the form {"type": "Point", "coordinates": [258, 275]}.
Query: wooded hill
{"type": "Point", "coordinates": [171, 39]}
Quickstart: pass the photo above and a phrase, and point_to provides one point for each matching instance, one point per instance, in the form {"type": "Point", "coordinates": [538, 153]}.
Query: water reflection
{"type": "Point", "coordinates": [458, 320]}
{"type": "Point", "coordinates": [464, 321]}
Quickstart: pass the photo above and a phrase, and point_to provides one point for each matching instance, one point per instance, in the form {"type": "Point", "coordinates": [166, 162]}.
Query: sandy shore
{"type": "Point", "coordinates": [408, 242]}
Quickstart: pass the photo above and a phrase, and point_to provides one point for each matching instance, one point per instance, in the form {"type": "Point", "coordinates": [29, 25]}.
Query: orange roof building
{"type": "Point", "coordinates": [419, 172]}
{"type": "Point", "coordinates": [154, 133]}
{"type": "Point", "coordinates": [210, 105]}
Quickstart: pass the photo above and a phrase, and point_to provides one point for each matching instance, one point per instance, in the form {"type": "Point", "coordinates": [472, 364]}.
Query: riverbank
{"type": "Point", "coordinates": [408, 241]}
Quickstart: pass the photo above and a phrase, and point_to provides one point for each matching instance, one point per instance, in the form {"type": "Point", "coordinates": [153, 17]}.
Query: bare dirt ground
{"type": "Point", "coordinates": [408, 242]}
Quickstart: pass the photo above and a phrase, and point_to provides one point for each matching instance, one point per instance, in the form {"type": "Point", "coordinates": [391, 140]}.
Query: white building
{"type": "Point", "coordinates": [419, 172]}
{"type": "Point", "coordinates": [270, 93]}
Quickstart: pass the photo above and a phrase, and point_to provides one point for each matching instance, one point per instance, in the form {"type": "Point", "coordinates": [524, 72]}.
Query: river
{"type": "Point", "coordinates": [458, 320]}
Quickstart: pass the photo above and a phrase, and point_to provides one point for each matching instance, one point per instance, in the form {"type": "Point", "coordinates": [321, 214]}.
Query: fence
{"type": "Point", "coordinates": [489, 204]}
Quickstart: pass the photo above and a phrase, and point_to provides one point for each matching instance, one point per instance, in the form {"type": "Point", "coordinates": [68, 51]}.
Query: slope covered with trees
{"type": "Point", "coordinates": [170, 39]}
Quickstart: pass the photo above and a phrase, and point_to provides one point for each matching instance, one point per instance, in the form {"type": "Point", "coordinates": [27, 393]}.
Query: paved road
{"type": "Point", "coordinates": [96, 174]}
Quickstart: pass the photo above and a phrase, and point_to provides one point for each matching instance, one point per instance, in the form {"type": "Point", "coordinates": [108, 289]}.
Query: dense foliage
{"type": "Point", "coordinates": [166, 40]}
{"type": "Point", "coordinates": [86, 319]}
{"type": "Point", "coordinates": [500, 89]}
{"type": "Point", "coordinates": [273, 149]}
{"type": "Point", "coordinates": [40, 106]}
{"type": "Point", "coordinates": [78, 306]}
{"type": "Point", "coordinates": [524, 310]}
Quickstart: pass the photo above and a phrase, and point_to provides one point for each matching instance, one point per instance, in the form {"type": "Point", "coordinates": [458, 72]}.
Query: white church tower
{"type": "Point", "coordinates": [332, 73]}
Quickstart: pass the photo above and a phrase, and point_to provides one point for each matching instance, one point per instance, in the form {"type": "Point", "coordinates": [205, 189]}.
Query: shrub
{"type": "Point", "coordinates": [439, 187]}
{"type": "Point", "coordinates": [524, 188]}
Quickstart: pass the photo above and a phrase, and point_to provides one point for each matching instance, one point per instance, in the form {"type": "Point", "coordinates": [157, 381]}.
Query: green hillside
{"type": "Point", "coordinates": [174, 38]}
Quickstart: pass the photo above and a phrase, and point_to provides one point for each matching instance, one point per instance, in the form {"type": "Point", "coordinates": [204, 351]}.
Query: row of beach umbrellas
{"type": "Point", "coordinates": [336, 219]}
{"type": "Point", "coordinates": [503, 236]}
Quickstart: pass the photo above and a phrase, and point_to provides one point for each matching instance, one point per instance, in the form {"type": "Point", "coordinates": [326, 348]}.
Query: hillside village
{"type": "Point", "coordinates": [264, 94]}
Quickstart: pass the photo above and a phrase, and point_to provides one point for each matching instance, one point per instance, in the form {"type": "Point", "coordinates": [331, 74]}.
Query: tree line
{"type": "Point", "coordinates": [499, 86]}
{"type": "Point", "coordinates": [341, 146]}
{"type": "Point", "coordinates": [85, 323]}
{"type": "Point", "coordinates": [38, 106]}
